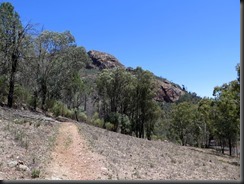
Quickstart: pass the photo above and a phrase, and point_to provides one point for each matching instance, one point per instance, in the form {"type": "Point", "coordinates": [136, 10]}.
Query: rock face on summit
{"type": "Point", "coordinates": [167, 91]}
{"type": "Point", "coordinates": [104, 60]}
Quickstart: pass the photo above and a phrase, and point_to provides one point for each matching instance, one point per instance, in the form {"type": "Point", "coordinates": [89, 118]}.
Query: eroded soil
{"type": "Point", "coordinates": [71, 158]}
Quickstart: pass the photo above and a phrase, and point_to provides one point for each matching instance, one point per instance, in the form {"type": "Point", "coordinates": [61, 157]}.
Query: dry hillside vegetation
{"type": "Point", "coordinates": [37, 147]}
{"type": "Point", "coordinates": [133, 158]}
{"type": "Point", "coordinates": [26, 139]}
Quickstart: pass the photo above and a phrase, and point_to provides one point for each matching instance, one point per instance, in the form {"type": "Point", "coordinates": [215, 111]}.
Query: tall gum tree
{"type": "Point", "coordinates": [13, 43]}
{"type": "Point", "coordinates": [227, 105]}
{"type": "Point", "coordinates": [50, 48]}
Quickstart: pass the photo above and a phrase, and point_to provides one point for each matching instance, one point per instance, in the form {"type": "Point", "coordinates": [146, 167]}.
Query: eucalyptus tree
{"type": "Point", "coordinates": [127, 100]}
{"type": "Point", "coordinates": [103, 82]}
{"type": "Point", "coordinates": [50, 48]}
{"type": "Point", "coordinates": [205, 110]}
{"type": "Point", "coordinates": [182, 120]}
{"type": "Point", "coordinates": [111, 85]}
{"type": "Point", "coordinates": [228, 114]}
{"type": "Point", "coordinates": [143, 100]}
{"type": "Point", "coordinates": [13, 45]}
{"type": "Point", "coordinates": [68, 84]}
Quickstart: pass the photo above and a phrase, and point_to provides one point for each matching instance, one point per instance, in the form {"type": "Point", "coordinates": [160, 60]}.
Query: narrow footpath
{"type": "Point", "coordinates": [71, 157]}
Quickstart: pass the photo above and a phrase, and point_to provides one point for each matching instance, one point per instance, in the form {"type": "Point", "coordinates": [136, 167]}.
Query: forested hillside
{"type": "Point", "coordinates": [46, 71]}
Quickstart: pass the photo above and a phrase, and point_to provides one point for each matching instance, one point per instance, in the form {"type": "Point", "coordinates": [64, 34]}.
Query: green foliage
{"type": "Point", "coordinates": [127, 100]}
{"type": "Point", "coordinates": [21, 95]}
{"type": "Point", "coordinates": [226, 113]}
{"type": "Point", "coordinates": [196, 121]}
{"type": "Point", "coordinates": [59, 109]}
{"type": "Point", "coordinates": [113, 117]}
{"type": "Point", "coordinates": [95, 116]}
{"type": "Point", "coordinates": [182, 119]}
{"type": "Point", "coordinates": [189, 97]}
{"type": "Point", "coordinates": [98, 123]}
{"type": "Point", "coordinates": [125, 123]}
{"type": "Point", "coordinates": [205, 111]}
{"type": "Point", "coordinates": [35, 173]}
{"type": "Point", "coordinates": [154, 137]}
{"type": "Point", "coordinates": [109, 126]}
{"type": "Point", "coordinates": [70, 114]}
{"type": "Point", "coordinates": [82, 116]}
{"type": "Point", "coordinates": [13, 45]}
{"type": "Point", "coordinates": [50, 103]}
{"type": "Point", "coordinates": [3, 88]}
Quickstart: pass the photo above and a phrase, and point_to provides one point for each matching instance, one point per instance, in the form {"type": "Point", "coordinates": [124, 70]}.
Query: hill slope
{"type": "Point", "coordinates": [166, 91]}
{"type": "Point", "coordinates": [120, 156]}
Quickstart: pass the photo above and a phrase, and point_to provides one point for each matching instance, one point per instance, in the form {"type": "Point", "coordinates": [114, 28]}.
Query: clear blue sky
{"type": "Point", "coordinates": [190, 42]}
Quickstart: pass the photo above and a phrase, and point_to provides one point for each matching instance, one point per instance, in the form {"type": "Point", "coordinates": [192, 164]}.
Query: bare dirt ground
{"type": "Point", "coordinates": [26, 140]}
{"type": "Point", "coordinates": [31, 142]}
{"type": "Point", "coordinates": [71, 158]}
{"type": "Point", "coordinates": [130, 158]}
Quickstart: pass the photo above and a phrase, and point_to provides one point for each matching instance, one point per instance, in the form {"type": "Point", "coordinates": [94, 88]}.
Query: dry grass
{"type": "Point", "coordinates": [132, 158]}
{"type": "Point", "coordinates": [26, 137]}
{"type": "Point", "coordinates": [29, 137]}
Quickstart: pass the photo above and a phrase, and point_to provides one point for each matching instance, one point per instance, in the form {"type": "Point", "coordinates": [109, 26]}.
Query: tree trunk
{"type": "Point", "coordinates": [85, 103]}
{"type": "Point", "coordinates": [142, 130]}
{"type": "Point", "coordinates": [76, 115]}
{"type": "Point", "coordinates": [182, 138]}
{"type": "Point", "coordinates": [44, 94]}
{"type": "Point", "coordinates": [35, 100]}
{"type": "Point", "coordinates": [148, 134]}
{"type": "Point", "coordinates": [12, 80]}
{"type": "Point", "coordinates": [223, 147]}
{"type": "Point", "coordinates": [230, 146]}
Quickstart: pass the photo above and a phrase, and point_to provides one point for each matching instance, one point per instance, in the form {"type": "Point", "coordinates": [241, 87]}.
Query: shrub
{"type": "Point", "coordinates": [35, 173]}
{"type": "Point", "coordinates": [98, 122]}
{"type": "Point", "coordinates": [70, 114]}
{"type": "Point", "coordinates": [82, 116]}
{"type": "Point", "coordinates": [95, 116]}
{"type": "Point", "coordinates": [125, 124]}
{"type": "Point", "coordinates": [21, 95]}
{"type": "Point", "coordinates": [154, 137]}
{"type": "Point", "coordinates": [60, 109]}
{"type": "Point", "coordinates": [89, 120]}
{"type": "Point", "coordinates": [109, 126]}
{"type": "Point", "coordinates": [50, 103]}
{"type": "Point", "coordinates": [3, 89]}
{"type": "Point", "coordinates": [95, 120]}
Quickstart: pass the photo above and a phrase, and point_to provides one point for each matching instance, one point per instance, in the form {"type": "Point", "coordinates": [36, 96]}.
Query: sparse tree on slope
{"type": "Point", "coordinates": [227, 112]}
{"type": "Point", "coordinates": [50, 48]}
{"type": "Point", "coordinates": [13, 43]}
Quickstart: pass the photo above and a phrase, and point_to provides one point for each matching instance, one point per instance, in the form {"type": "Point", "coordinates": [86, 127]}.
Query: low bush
{"type": "Point", "coordinates": [82, 116]}
{"type": "Point", "coordinates": [98, 122]}
{"type": "Point", "coordinates": [35, 173]}
{"type": "Point", "coordinates": [21, 95]}
{"type": "Point", "coordinates": [60, 109]}
{"type": "Point", "coordinates": [109, 126]}
{"type": "Point", "coordinates": [3, 89]}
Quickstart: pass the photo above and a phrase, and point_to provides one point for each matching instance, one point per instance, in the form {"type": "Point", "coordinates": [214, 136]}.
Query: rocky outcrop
{"type": "Point", "coordinates": [104, 60]}
{"type": "Point", "coordinates": [168, 91]}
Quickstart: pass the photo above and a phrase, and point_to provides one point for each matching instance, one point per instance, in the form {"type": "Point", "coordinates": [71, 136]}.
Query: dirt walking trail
{"type": "Point", "coordinates": [71, 158]}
